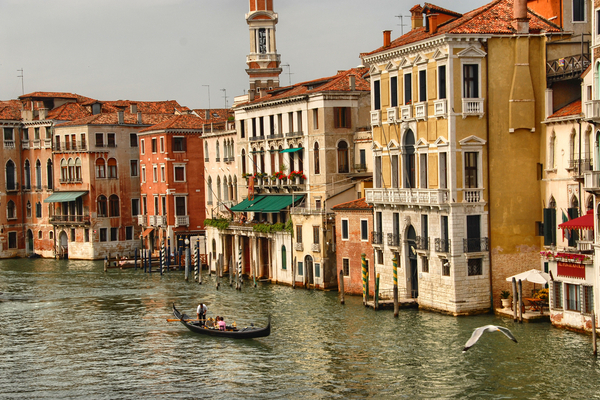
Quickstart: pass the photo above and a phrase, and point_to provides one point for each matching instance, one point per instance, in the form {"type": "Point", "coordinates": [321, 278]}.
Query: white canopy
{"type": "Point", "coordinates": [533, 275]}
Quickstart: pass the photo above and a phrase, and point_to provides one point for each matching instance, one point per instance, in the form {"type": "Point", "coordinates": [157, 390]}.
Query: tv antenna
{"type": "Point", "coordinates": [289, 72]}
{"type": "Point", "coordinates": [225, 96]}
{"type": "Point", "coordinates": [22, 80]}
{"type": "Point", "coordinates": [402, 24]}
{"type": "Point", "coordinates": [208, 87]}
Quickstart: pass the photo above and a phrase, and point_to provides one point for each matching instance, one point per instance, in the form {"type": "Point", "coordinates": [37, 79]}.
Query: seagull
{"type": "Point", "coordinates": [488, 328]}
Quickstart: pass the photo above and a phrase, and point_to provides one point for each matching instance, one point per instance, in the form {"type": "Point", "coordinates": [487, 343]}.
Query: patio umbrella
{"type": "Point", "coordinates": [533, 275]}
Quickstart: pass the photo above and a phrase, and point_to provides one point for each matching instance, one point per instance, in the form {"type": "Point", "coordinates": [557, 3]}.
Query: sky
{"type": "Point", "coordinates": [183, 50]}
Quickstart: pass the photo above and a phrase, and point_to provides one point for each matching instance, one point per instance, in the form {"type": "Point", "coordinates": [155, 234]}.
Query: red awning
{"type": "Point", "coordinates": [585, 222]}
{"type": "Point", "coordinates": [147, 231]}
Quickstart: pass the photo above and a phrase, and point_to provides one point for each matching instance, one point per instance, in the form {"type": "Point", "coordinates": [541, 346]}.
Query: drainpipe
{"type": "Point", "coordinates": [487, 123]}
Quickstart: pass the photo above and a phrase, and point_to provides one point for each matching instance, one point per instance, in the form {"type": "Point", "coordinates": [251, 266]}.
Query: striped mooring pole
{"type": "Point", "coordinates": [396, 308]}
{"type": "Point", "coordinates": [364, 276]}
{"type": "Point", "coordinates": [168, 252]}
{"type": "Point", "coordinates": [195, 264]}
{"type": "Point", "coordinates": [240, 281]}
{"type": "Point", "coordinates": [198, 261]}
{"type": "Point", "coordinates": [161, 257]}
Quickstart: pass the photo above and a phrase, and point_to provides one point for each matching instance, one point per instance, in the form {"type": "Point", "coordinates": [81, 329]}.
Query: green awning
{"type": "Point", "coordinates": [292, 150]}
{"type": "Point", "coordinates": [61, 197]}
{"type": "Point", "coordinates": [243, 206]}
{"type": "Point", "coordinates": [275, 203]}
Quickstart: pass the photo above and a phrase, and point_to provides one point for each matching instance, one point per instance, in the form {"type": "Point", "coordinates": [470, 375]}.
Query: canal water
{"type": "Point", "coordinates": [69, 330]}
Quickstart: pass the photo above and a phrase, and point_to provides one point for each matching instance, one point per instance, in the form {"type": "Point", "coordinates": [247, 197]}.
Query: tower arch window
{"type": "Point", "coordinates": [342, 153]}
{"type": "Point", "coordinates": [100, 168]}
{"type": "Point", "coordinates": [11, 175]}
{"type": "Point", "coordinates": [112, 168]}
{"type": "Point", "coordinates": [102, 206]}
{"type": "Point", "coordinates": [113, 205]}
{"type": "Point", "coordinates": [78, 177]}
{"type": "Point", "coordinates": [11, 211]}
{"type": "Point", "coordinates": [317, 161]}
{"type": "Point", "coordinates": [64, 170]}
{"type": "Point", "coordinates": [27, 177]}
{"type": "Point", "coordinates": [71, 166]}
{"type": "Point", "coordinates": [38, 175]}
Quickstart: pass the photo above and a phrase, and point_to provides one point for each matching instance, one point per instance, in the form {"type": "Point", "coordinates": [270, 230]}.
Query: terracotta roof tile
{"type": "Point", "coordinates": [570, 109]}
{"type": "Point", "coordinates": [113, 119]}
{"type": "Point", "coordinates": [68, 112]}
{"type": "Point", "coordinates": [10, 110]}
{"type": "Point", "coordinates": [217, 114]}
{"type": "Point", "coordinates": [359, 204]}
{"type": "Point", "coordinates": [179, 122]}
{"type": "Point", "coordinates": [433, 8]}
{"type": "Point", "coordinates": [492, 18]}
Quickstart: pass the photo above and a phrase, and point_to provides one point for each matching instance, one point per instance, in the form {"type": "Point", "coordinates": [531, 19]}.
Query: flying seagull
{"type": "Point", "coordinates": [488, 328]}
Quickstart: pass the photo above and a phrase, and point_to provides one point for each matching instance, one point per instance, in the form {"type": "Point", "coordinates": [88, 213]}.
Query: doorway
{"type": "Point", "coordinates": [63, 240]}
{"type": "Point", "coordinates": [310, 274]}
{"type": "Point", "coordinates": [411, 241]}
{"type": "Point", "coordinates": [29, 248]}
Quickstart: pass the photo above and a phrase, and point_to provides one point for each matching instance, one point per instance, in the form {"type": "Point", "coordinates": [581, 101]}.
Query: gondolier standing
{"type": "Point", "coordinates": [201, 312]}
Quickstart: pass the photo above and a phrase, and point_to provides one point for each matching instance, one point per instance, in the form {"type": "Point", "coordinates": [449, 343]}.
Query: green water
{"type": "Point", "coordinates": [69, 330]}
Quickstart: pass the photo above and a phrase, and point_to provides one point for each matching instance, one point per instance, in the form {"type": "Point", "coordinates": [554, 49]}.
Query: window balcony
{"type": "Point", "coordinates": [442, 245]}
{"type": "Point", "coordinates": [592, 110]}
{"type": "Point", "coordinates": [70, 219]}
{"type": "Point", "coordinates": [440, 108]}
{"type": "Point", "coordinates": [293, 134]}
{"type": "Point", "coordinates": [48, 143]}
{"type": "Point", "coordinates": [421, 110]}
{"type": "Point", "coordinates": [24, 144]}
{"type": "Point", "coordinates": [477, 245]}
{"type": "Point", "coordinates": [376, 237]}
{"type": "Point", "coordinates": [37, 144]}
{"type": "Point", "coordinates": [393, 239]}
{"type": "Point", "coordinates": [275, 136]}
{"type": "Point", "coordinates": [472, 107]}
{"type": "Point", "coordinates": [392, 114]}
{"type": "Point", "coordinates": [315, 247]}
{"type": "Point", "coordinates": [577, 167]}
{"type": "Point", "coordinates": [406, 112]}
{"type": "Point", "coordinates": [407, 196]}
{"type": "Point", "coordinates": [152, 220]}
{"type": "Point", "coordinates": [422, 243]}
{"type": "Point", "coordinates": [591, 181]}
{"type": "Point", "coordinates": [360, 167]}
{"type": "Point", "coordinates": [376, 118]}
{"type": "Point", "coordinates": [299, 246]}
{"type": "Point", "coordinates": [141, 220]}
{"type": "Point", "coordinates": [308, 211]}
{"type": "Point", "coordinates": [473, 195]}
{"type": "Point", "coordinates": [9, 144]}
{"type": "Point", "coordinates": [182, 220]}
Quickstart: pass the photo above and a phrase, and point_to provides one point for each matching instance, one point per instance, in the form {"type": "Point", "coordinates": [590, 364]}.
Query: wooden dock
{"type": "Point", "coordinates": [387, 304]}
{"type": "Point", "coordinates": [528, 315]}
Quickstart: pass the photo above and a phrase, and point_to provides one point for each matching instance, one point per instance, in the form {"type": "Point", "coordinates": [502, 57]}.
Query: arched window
{"type": "Point", "coordinates": [100, 165]}
{"type": "Point", "coordinates": [112, 168]}
{"type": "Point", "coordinates": [342, 153]}
{"type": "Point", "coordinates": [225, 190]}
{"type": "Point", "coordinates": [280, 163]}
{"type": "Point", "coordinates": [218, 189]}
{"type": "Point", "coordinates": [38, 175]}
{"type": "Point", "coordinates": [113, 206]}
{"type": "Point", "coordinates": [292, 159]}
{"type": "Point", "coordinates": [301, 159]}
{"type": "Point", "coordinates": [272, 157]}
{"type": "Point", "coordinates": [64, 172]}
{"type": "Point", "coordinates": [11, 212]}
{"type": "Point", "coordinates": [28, 209]}
{"type": "Point", "coordinates": [11, 178]}
{"type": "Point", "coordinates": [218, 155]}
{"type": "Point", "coordinates": [78, 176]}
{"type": "Point", "coordinates": [27, 177]}
{"type": "Point", "coordinates": [38, 210]}
{"type": "Point", "coordinates": [283, 258]}
{"type": "Point", "coordinates": [243, 155]}
{"type": "Point", "coordinates": [209, 193]}
{"type": "Point", "coordinates": [71, 164]}
{"type": "Point", "coordinates": [206, 151]}
{"type": "Point", "coordinates": [231, 149]}
{"type": "Point", "coordinates": [235, 193]}
{"type": "Point", "coordinates": [316, 159]}
{"type": "Point", "coordinates": [50, 174]}
{"type": "Point", "coordinates": [408, 155]}
{"type": "Point", "coordinates": [102, 208]}
{"type": "Point", "coordinates": [262, 160]}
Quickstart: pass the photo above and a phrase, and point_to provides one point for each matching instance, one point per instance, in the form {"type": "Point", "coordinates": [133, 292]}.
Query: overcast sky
{"type": "Point", "coordinates": [169, 49]}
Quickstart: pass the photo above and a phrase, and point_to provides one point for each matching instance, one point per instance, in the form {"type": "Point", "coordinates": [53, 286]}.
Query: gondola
{"type": "Point", "coordinates": [231, 332]}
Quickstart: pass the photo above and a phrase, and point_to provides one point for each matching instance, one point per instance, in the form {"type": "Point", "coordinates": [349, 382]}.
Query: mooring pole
{"type": "Point", "coordinates": [186, 250]}
{"type": "Point", "coordinates": [594, 348]}
{"type": "Point", "coordinates": [364, 277]}
{"type": "Point", "coordinates": [377, 292]}
{"type": "Point", "coordinates": [135, 257]}
{"type": "Point", "coordinates": [198, 261]}
{"type": "Point", "coordinates": [395, 290]}
{"type": "Point", "coordinates": [168, 252]}
{"type": "Point", "coordinates": [515, 299]}
{"type": "Point", "coordinates": [240, 278]}
{"type": "Point", "coordinates": [520, 301]}
{"type": "Point", "coordinates": [105, 263]}
{"type": "Point", "coordinates": [341, 284]}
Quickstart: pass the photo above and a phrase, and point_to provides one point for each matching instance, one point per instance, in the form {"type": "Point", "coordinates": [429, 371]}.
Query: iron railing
{"type": "Point", "coordinates": [475, 245]}
{"type": "Point", "coordinates": [376, 237]}
{"type": "Point", "coordinates": [393, 239]}
{"type": "Point", "coordinates": [442, 245]}
{"type": "Point", "coordinates": [422, 243]}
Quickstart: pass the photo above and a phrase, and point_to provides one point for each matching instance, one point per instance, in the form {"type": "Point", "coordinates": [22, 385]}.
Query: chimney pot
{"type": "Point", "coordinates": [432, 20]}
{"type": "Point", "coordinates": [416, 18]}
{"type": "Point", "coordinates": [352, 79]}
{"type": "Point", "coordinates": [387, 38]}
{"type": "Point", "coordinates": [520, 20]}
{"type": "Point", "coordinates": [121, 116]}
{"type": "Point", "coordinates": [139, 117]}
{"type": "Point", "coordinates": [207, 115]}
{"type": "Point", "coordinates": [133, 108]}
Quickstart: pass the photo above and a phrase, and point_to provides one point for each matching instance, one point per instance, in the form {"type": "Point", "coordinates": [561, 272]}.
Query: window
{"type": "Point", "coordinates": [377, 95]}
{"type": "Point", "coordinates": [341, 117]}
{"type": "Point", "coordinates": [573, 296]}
{"type": "Point", "coordinates": [377, 172]}
{"type": "Point", "coordinates": [179, 143]}
{"type": "Point", "coordinates": [470, 81]}
{"type": "Point", "coordinates": [298, 233]}
{"type": "Point", "coordinates": [99, 139]}
{"type": "Point", "coordinates": [78, 176]}
{"type": "Point", "coordinates": [135, 207]}
{"type": "Point", "coordinates": [143, 174]}
{"type": "Point", "coordinates": [72, 234]}
{"type": "Point", "coordinates": [103, 235]}
{"type": "Point", "coordinates": [162, 144]}
{"type": "Point", "coordinates": [342, 153]}
{"type": "Point", "coordinates": [40, 234]}
{"type": "Point", "coordinates": [364, 230]}
{"type": "Point", "coordinates": [578, 10]}
{"type": "Point", "coordinates": [11, 211]}
{"type": "Point", "coordinates": [100, 168]}
{"type": "Point", "coordinates": [394, 91]}
{"type": "Point", "coordinates": [218, 152]}
{"type": "Point", "coordinates": [114, 205]}
{"type": "Point", "coordinates": [394, 171]}
{"type": "Point", "coordinates": [300, 268]}
{"type": "Point", "coordinates": [443, 171]}
{"type": "Point", "coordinates": [442, 82]}
{"type": "Point", "coordinates": [38, 175]}
{"type": "Point", "coordinates": [283, 258]}
{"type": "Point", "coordinates": [318, 203]}
{"type": "Point", "coordinates": [407, 88]}
{"type": "Point", "coordinates": [38, 210]}
{"type": "Point", "coordinates": [102, 206]}
{"type": "Point", "coordinates": [164, 205]}
{"type": "Point", "coordinates": [179, 173]}
{"type": "Point", "coordinates": [209, 192]}
{"type": "Point", "coordinates": [424, 264]}
{"type": "Point", "coordinates": [144, 206]}
{"type": "Point", "coordinates": [129, 233]}
{"type": "Point", "coordinates": [316, 235]}
{"type": "Point", "coordinates": [299, 115]}
{"type": "Point", "coordinates": [133, 142]}
{"type": "Point", "coordinates": [315, 115]}
{"type": "Point", "coordinates": [51, 235]}
{"type": "Point", "coordinates": [423, 85]}
{"type": "Point", "coordinates": [154, 173]}
{"type": "Point", "coordinates": [142, 146]}
{"type": "Point", "coordinates": [317, 270]}
{"type": "Point", "coordinates": [588, 300]}
{"type": "Point", "coordinates": [445, 268]}
{"type": "Point", "coordinates": [27, 177]}
{"type": "Point", "coordinates": [112, 168]}
{"type": "Point", "coordinates": [154, 145]}
{"type": "Point", "coordinates": [133, 164]}
{"type": "Point", "coordinates": [474, 266]}
{"type": "Point", "coordinates": [50, 174]}
{"type": "Point", "coordinates": [9, 134]}
{"type": "Point", "coordinates": [114, 234]}
{"type": "Point", "coordinates": [111, 140]}
{"type": "Point", "coordinates": [471, 169]}
{"type": "Point", "coordinates": [316, 159]}
{"type": "Point", "coordinates": [423, 170]}
{"type": "Point", "coordinates": [28, 209]}
{"type": "Point", "coordinates": [597, 23]}
{"type": "Point", "coordinates": [162, 173]}
{"type": "Point", "coordinates": [156, 211]}
{"type": "Point", "coordinates": [180, 208]}
{"type": "Point", "coordinates": [12, 240]}
{"type": "Point", "coordinates": [345, 231]}
{"type": "Point", "coordinates": [346, 266]}
{"type": "Point", "coordinates": [86, 235]}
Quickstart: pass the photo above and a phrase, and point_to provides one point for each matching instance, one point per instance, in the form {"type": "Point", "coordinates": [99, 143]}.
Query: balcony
{"type": "Point", "coordinates": [70, 219]}
{"type": "Point", "coordinates": [182, 220]}
{"type": "Point", "coordinates": [477, 245]}
{"type": "Point", "coordinates": [9, 144]}
{"type": "Point", "coordinates": [315, 247]}
{"type": "Point", "coordinates": [442, 245]}
{"type": "Point", "coordinates": [275, 136]}
{"type": "Point", "coordinates": [393, 239]}
{"type": "Point", "coordinates": [421, 110]}
{"type": "Point", "coordinates": [392, 114]}
{"type": "Point", "coordinates": [592, 110]}
{"type": "Point", "coordinates": [70, 146]}
{"type": "Point", "coordinates": [161, 220]}
{"type": "Point", "coordinates": [48, 143]}
{"type": "Point", "coordinates": [407, 196]}
{"type": "Point", "coordinates": [141, 220]}
{"type": "Point", "coordinates": [152, 220]}
{"type": "Point", "coordinates": [406, 112]}
{"type": "Point", "coordinates": [422, 243]}
{"type": "Point", "coordinates": [577, 167]}
{"type": "Point", "coordinates": [37, 144]}
{"type": "Point", "coordinates": [376, 237]}
{"type": "Point", "coordinates": [299, 246]}
{"type": "Point", "coordinates": [440, 108]}
{"type": "Point", "coordinates": [376, 118]}
{"type": "Point", "coordinates": [263, 57]}
{"type": "Point", "coordinates": [308, 211]}
{"type": "Point", "coordinates": [591, 181]}
{"type": "Point", "coordinates": [473, 195]}
{"type": "Point", "coordinates": [294, 134]}
{"type": "Point", "coordinates": [24, 144]}
{"type": "Point", "coordinates": [472, 107]}
{"type": "Point", "coordinates": [360, 167]}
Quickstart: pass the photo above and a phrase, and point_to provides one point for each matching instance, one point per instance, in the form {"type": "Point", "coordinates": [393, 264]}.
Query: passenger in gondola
{"type": "Point", "coordinates": [222, 324]}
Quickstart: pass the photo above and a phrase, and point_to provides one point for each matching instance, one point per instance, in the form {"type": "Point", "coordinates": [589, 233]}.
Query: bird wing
{"type": "Point", "coordinates": [507, 332]}
{"type": "Point", "coordinates": [474, 337]}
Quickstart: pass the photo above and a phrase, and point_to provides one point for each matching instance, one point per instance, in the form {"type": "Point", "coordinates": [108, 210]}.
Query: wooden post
{"type": "Point", "coordinates": [149, 260]}
{"type": "Point", "coordinates": [198, 261]}
{"type": "Point", "coordinates": [514, 293]}
{"type": "Point", "coordinates": [135, 256]}
{"type": "Point", "coordinates": [105, 263]}
{"type": "Point", "coordinates": [377, 292]}
{"type": "Point", "coordinates": [341, 285]}
{"type": "Point", "coordinates": [186, 252]}
{"type": "Point", "coordinates": [520, 301]}
{"type": "Point", "coordinates": [294, 274]}
{"type": "Point", "coordinates": [168, 252]}
{"type": "Point", "coordinates": [396, 305]}
{"type": "Point", "coordinates": [364, 278]}
{"type": "Point", "coordinates": [594, 347]}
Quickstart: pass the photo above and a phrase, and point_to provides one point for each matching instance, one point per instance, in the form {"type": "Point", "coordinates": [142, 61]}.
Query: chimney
{"type": "Point", "coordinates": [133, 108]}
{"type": "Point", "coordinates": [121, 115]}
{"type": "Point", "coordinates": [416, 18]}
{"type": "Point", "coordinates": [139, 117]}
{"type": "Point", "coordinates": [520, 20]}
{"type": "Point", "coordinates": [352, 80]}
{"type": "Point", "coordinates": [432, 20]}
{"type": "Point", "coordinates": [207, 114]}
{"type": "Point", "coordinates": [387, 38]}
{"type": "Point", "coordinates": [43, 113]}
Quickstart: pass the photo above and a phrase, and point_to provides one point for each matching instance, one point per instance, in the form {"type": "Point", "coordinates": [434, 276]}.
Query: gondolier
{"type": "Point", "coordinates": [201, 312]}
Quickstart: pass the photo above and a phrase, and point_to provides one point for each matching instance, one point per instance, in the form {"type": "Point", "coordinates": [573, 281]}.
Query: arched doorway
{"type": "Point", "coordinates": [310, 274]}
{"type": "Point", "coordinates": [411, 241]}
{"type": "Point", "coordinates": [29, 248]}
{"type": "Point", "coordinates": [63, 242]}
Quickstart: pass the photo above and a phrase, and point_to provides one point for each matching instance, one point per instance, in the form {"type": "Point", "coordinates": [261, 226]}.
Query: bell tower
{"type": "Point", "coordinates": [263, 60]}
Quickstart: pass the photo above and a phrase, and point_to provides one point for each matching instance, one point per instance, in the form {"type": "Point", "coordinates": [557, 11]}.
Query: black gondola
{"type": "Point", "coordinates": [231, 332]}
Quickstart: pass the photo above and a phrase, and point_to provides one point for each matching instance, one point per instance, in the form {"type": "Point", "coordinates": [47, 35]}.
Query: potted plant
{"type": "Point", "coordinates": [505, 298]}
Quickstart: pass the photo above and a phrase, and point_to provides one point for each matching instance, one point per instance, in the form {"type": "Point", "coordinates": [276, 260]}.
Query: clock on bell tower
{"type": "Point", "coordinates": [263, 60]}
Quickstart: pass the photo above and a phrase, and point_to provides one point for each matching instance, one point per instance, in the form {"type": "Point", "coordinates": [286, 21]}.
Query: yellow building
{"type": "Point", "coordinates": [456, 110]}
